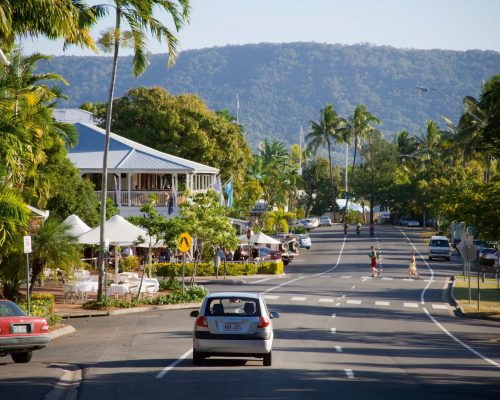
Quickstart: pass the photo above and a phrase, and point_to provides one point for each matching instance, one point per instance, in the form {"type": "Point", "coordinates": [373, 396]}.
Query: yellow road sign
{"type": "Point", "coordinates": [184, 242]}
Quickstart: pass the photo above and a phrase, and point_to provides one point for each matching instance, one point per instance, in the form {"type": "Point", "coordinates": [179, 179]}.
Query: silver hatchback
{"type": "Point", "coordinates": [233, 324]}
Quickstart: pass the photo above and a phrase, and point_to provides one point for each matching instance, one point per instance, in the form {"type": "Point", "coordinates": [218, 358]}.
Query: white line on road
{"type": "Point", "coordinates": [411, 305]}
{"type": "Point", "coordinates": [329, 300]}
{"type": "Point", "coordinates": [174, 364]}
{"type": "Point", "coordinates": [353, 287]}
{"type": "Point", "coordinates": [334, 315]}
{"type": "Point", "coordinates": [353, 301]}
{"type": "Point", "coordinates": [440, 306]}
{"type": "Point", "coordinates": [387, 279]}
{"type": "Point", "coordinates": [349, 373]}
{"type": "Point", "coordinates": [346, 277]}
{"type": "Point", "coordinates": [338, 349]}
{"type": "Point", "coordinates": [382, 303]}
{"type": "Point", "coordinates": [422, 299]}
{"type": "Point", "coordinates": [333, 330]}
{"type": "Point", "coordinates": [271, 297]}
{"type": "Point", "coordinates": [337, 304]}
{"type": "Point", "coordinates": [297, 298]}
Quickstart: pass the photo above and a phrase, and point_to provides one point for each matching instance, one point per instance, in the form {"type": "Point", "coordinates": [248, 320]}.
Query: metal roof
{"type": "Point", "coordinates": [126, 155]}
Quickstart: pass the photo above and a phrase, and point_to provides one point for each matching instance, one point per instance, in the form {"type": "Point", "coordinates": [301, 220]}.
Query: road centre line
{"type": "Point", "coordinates": [353, 301]}
{"type": "Point", "coordinates": [271, 297]}
{"type": "Point", "coordinates": [349, 373]}
{"type": "Point", "coordinates": [382, 303]}
{"type": "Point", "coordinates": [328, 300]}
{"type": "Point", "coordinates": [410, 305]}
{"type": "Point", "coordinates": [298, 298]}
{"type": "Point", "coordinates": [435, 321]}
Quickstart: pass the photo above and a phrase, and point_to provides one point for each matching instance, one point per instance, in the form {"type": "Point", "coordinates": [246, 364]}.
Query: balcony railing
{"type": "Point", "coordinates": [138, 198]}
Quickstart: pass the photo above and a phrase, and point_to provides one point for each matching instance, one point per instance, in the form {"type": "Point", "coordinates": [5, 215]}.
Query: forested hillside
{"type": "Point", "coordinates": [283, 86]}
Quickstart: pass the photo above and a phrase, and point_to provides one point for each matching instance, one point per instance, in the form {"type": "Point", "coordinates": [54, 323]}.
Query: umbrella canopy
{"type": "Point", "coordinates": [260, 238]}
{"type": "Point", "coordinates": [118, 231]}
{"type": "Point", "coordinates": [76, 226]}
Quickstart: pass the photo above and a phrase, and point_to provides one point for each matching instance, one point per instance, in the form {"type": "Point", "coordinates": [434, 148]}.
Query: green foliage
{"type": "Point", "coordinates": [310, 75]}
{"type": "Point", "coordinates": [130, 263]}
{"type": "Point", "coordinates": [271, 267]}
{"type": "Point", "coordinates": [42, 305]}
{"type": "Point", "coordinates": [207, 269]}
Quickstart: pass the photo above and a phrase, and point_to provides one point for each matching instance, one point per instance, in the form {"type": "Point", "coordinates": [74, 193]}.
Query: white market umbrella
{"type": "Point", "coordinates": [117, 230]}
{"type": "Point", "coordinates": [260, 238]}
{"type": "Point", "coordinates": [76, 226]}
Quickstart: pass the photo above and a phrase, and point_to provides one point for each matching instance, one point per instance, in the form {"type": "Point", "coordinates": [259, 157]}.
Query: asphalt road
{"type": "Point", "coordinates": [341, 335]}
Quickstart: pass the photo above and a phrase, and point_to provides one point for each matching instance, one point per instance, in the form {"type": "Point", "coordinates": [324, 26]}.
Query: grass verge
{"type": "Point", "coordinates": [489, 305]}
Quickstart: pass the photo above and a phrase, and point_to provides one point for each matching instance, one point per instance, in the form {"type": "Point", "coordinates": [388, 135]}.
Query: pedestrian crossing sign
{"type": "Point", "coordinates": [184, 242]}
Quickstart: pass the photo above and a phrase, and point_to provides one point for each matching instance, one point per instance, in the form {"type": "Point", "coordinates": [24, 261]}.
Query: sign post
{"type": "Point", "coordinates": [184, 244]}
{"type": "Point", "coordinates": [27, 251]}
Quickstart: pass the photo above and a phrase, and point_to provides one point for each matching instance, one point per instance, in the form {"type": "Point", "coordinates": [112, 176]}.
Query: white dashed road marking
{"type": "Point", "coordinates": [338, 349]}
{"type": "Point", "coordinates": [353, 301]}
{"type": "Point", "coordinates": [298, 298]}
{"type": "Point", "coordinates": [382, 303]}
{"type": "Point", "coordinates": [271, 297]}
{"type": "Point", "coordinates": [346, 277]}
{"type": "Point", "coordinates": [333, 330]}
{"type": "Point", "coordinates": [349, 373]}
{"type": "Point", "coordinates": [329, 300]}
{"type": "Point", "coordinates": [440, 306]}
{"type": "Point", "coordinates": [411, 305]}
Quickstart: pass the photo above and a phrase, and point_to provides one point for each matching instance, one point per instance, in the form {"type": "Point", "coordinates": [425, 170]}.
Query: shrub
{"type": "Point", "coordinates": [130, 263]}
{"type": "Point", "coordinates": [42, 305]}
{"type": "Point", "coordinates": [271, 267]}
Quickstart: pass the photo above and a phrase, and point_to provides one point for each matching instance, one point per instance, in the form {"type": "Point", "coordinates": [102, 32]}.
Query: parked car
{"type": "Point", "coordinates": [308, 223]}
{"type": "Point", "coordinates": [408, 221]}
{"type": "Point", "coordinates": [233, 324]}
{"type": "Point", "coordinates": [489, 257]}
{"type": "Point", "coordinates": [325, 221]}
{"type": "Point", "coordinates": [439, 247]}
{"type": "Point", "coordinates": [304, 241]}
{"type": "Point", "coordinates": [19, 333]}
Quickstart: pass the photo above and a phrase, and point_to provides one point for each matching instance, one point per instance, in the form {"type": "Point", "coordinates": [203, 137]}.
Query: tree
{"type": "Point", "coordinates": [205, 219]}
{"type": "Point", "coordinates": [327, 131]}
{"type": "Point", "coordinates": [139, 15]}
{"type": "Point", "coordinates": [358, 127]}
{"type": "Point", "coordinates": [53, 248]}
{"type": "Point", "coordinates": [278, 220]}
{"type": "Point", "coordinates": [317, 187]}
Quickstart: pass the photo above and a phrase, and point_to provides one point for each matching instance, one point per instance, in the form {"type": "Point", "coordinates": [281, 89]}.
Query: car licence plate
{"type": "Point", "coordinates": [19, 328]}
{"type": "Point", "coordinates": [232, 326]}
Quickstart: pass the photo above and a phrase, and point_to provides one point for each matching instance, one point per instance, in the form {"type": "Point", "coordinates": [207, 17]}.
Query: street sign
{"type": "Point", "coordinates": [469, 253]}
{"type": "Point", "coordinates": [184, 242]}
{"type": "Point", "coordinates": [27, 244]}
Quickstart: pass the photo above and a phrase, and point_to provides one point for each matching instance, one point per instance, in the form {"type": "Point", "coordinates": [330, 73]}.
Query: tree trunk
{"type": "Point", "coordinates": [104, 189]}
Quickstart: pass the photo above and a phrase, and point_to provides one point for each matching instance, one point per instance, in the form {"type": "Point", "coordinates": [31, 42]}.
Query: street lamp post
{"type": "Point", "coordinates": [428, 89]}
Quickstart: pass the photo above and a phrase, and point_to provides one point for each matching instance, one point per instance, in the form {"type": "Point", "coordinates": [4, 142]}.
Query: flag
{"type": "Point", "coordinates": [172, 200]}
{"type": "Point", "coordinates": [228, 187]}
{"type": "Point", "coordinates": [217, 186]}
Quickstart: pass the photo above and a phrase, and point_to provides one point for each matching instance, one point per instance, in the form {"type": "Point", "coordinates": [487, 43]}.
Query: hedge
{"type": "Point", "coordinates": [169, 269]}
{"type": "Point", "coordinates": [42, 305]}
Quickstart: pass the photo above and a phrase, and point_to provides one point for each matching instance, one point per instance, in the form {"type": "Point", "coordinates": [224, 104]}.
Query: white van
{"type": "Point", "coordinates": [439, 247]}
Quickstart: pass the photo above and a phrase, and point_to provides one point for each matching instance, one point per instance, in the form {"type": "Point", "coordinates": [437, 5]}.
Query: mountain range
{"type": "Point", "coordinates": [281, 87]}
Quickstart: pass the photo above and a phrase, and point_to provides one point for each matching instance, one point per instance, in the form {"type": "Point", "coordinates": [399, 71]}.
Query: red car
{"type": "Point", "coordinates": [20, 334]}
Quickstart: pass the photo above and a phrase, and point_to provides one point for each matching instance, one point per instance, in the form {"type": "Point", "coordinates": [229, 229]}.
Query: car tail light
{"type": "Point", "coordinates": [202, 321]}
{"type": "Point", "coordinates": [263, 322]}
{"type": "Point", "coordinates": [45, 326]}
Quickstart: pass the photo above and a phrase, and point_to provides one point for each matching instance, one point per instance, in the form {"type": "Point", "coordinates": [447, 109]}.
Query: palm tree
{"type": "Point", "coordinates": [67, 19]}
{"type": "Point", "coordinates": [278, 220]}
{"type": "Point", "coordinates": [327, 132]}
{"type": "Point", "coordinates": [139, 16]}
{"type": "Point", "coordinates": [359, 125]}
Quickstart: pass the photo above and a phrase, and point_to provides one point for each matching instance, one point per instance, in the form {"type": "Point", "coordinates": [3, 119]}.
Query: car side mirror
{"type": "Point", "coordinates": [274, 314]}
{"type": "Point", "coordinates": [194, 314]}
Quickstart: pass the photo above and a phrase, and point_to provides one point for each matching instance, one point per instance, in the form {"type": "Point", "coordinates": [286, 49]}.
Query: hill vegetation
{"type": "Point", "coordinates": [283, 86]}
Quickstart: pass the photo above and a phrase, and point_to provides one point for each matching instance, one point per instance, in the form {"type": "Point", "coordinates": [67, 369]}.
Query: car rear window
{"type": "Point", "coordinates": [439, 243]}
{"type": "Point", "coordinates": [8, 309]}
{"type": "Point", "coordinates": [232, 306]}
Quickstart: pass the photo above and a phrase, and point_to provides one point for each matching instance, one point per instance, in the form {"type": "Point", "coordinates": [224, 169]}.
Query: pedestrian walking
{"type": "Point", "coordinates": [412, 268]}
{"type": "Point", "coordinates": [373, 262]}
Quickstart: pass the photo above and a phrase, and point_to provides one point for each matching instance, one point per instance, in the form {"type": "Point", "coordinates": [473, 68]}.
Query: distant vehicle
{"type": "Point", "coordinates": [439, 247]}
{"type": "Point", "coordinates": [233, 324]}
{"type": "Point", "coordinates": [308, 223]}
{"type": "Point", "coordinates": [20, 334]}
{"type": "Point", "coordinates": [489, 257]}
{"type": "Point", "coordinates": [304, 241]}
{"type": "Point", "coordinates": [325, 221]}
{"type": "Point", "coordinates": [408, 221]}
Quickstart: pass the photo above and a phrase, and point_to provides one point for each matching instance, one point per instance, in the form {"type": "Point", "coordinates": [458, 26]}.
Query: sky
{"type": "Point", "coordinates": [416, 24]}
